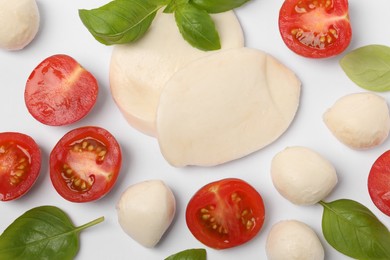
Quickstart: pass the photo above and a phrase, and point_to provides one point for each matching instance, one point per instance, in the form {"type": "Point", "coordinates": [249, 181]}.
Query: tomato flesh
{"type": "Point", "coordinates": [60, 91]}
{"type": "Point", "coordinates": [379, 183]}
{"type": "Point", "coordinates": [225, 213]}
{"type": "Point", "coordinates": [85, 164]}
{"type": "Point", "coordinates": [20, 163]}
{"type": "Point", "coordinates": [315, 28]}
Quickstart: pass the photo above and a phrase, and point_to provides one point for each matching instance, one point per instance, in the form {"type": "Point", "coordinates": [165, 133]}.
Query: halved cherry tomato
{"type": "Point", "coordinates": [379, 183]}
{"type": "Point", "coordinates": [315, 28]}
{"type": "Point", "coordinates": [20, 163]}
{"type": "Point", "coordinates": [60, 91]}
{"type": "Point", "coordinates": [225, 213]}
{"type": "Point", "coordinates": [85, 164]}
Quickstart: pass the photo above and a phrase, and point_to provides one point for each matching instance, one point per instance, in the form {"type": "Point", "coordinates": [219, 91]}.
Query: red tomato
{"type": "Point", "coordinates": [85, 164]}
{"type": "Point", "coordinates": [20, 163]}
{"type": "Point", "coordinates": [379, 183]}
{"type": "Point", "coordinates": [59, 91]}
{"type": "Point", "coordinates": [315, 28]}
{"type": "Point", "coordinates": [225, 213]}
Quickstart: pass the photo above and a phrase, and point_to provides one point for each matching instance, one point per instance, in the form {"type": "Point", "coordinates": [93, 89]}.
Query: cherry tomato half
{"type": "Point", "coordinates": [85, 164]}
{"type": "Point", "coordinates": [315, 28]}
{"type": "Point", "coordinates": [60, 91]}
{"type": "Point", "coordinates": [20, 163]}
{"type": "Point", "coordinates": [225, 213]}
{"type": "Point", "coordinates": [379, 183]}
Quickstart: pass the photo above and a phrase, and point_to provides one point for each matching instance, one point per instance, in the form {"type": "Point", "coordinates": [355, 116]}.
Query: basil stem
{"type": "Point", "coordinates": [354, 230]}
{"type": "Point", "coordinates": [189, 254]}
{"type": "Point", "coordinates": [44, 232]}
{"type": "Point", "coordinates": [218, 6]}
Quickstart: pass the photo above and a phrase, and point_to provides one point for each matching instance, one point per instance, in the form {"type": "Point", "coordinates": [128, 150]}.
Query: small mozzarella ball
{"type": "Point", "coordinates": [19, 21]}
{"type": "Point", "coordinates": [293, 240]}
{"type": "Point", "coordinates": [146, 210]}
{"type": "Point", "coordinates": [302, 176]}
{"type": "Point", "coordinates": [359, 120]}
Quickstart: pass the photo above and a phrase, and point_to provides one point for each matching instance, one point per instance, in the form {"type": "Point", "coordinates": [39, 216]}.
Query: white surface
{"type": "Point", "coordinates": [323, 82]}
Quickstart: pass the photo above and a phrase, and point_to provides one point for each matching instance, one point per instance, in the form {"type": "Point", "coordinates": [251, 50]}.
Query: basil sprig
{"type": "Point", "coordinates": [44, 232]}
{"type": "Point", "coordinates": [189, 254]}
{"type": "Point", "coordinates": [125, 21]}
{"type": "Point", "coordinates": [368, 67]}
{"type": "Point", "coordinates": [352, 229]}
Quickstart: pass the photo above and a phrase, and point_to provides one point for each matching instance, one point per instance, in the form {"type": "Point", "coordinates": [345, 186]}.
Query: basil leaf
{"type": "Point", "coordinates": [218, 6]}
{"type": "Point", "coordinates": [120, 21]}
{"type": "Point", "coordinates": [44, 232]}
{"type": "Point", "coordinates": [189, 254]}
{"type": "Point", "coordinates": [197, 27]}
{"type": "Point", "coordinates": [368, 67]}
{"type": "Point", "coordinates": [172, 6]}
{"type": "Point", "coordinates": [354, 230]}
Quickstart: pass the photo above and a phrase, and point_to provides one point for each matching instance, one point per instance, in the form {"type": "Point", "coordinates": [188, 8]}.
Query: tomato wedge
{"type": "Point", "coordinates": [225, 213]}
{"type": "Point", "coordinates": [60, 91]}
{"type": "Point", "coordinates": [20, 163]}
{"type": "Point", "coordinates": [85, 164]}
{"type": "Point", "coordinates": [315, 28]}
{"type": "Point", "coordinates": [379, 183]}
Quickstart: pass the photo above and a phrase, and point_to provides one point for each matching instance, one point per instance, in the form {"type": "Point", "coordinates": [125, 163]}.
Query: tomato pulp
{"type": "Point", "coordinates": [60, 91]}
{"type": "Point", "coordinates": [85, 164]}
{"type": "Point", "coordinates": [225, 213]}
{"type": "Point", "coordinates": [20, 163]}
{"type": "Point", "coordinates": [315, 28]}
{"type": "Point", "coordinates": [379, 183]}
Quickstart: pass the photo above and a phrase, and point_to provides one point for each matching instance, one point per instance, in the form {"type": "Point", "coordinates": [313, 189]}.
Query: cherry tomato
{"type": "Point", "coordinates": [85, 164]}
{"type": "Point", "coordinates": [225, 213]}
{"type": "Point", "coordinates": [60, 91]}
{"type": "Point", "coordinates": [20, 163]}
{"type": "Point", "coordinates": [315, 28]}
{"type": "Point", "coordinates": [379, 183]}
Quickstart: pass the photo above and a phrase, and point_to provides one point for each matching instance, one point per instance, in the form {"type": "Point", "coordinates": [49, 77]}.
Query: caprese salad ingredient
{"type": "Point", "coordinates": [359, 120]}
{"type": "Point", "coordinates": [225, 106]}
{"type": "Point", "coordinates": [44, 232]}
{"type": "Point", "coordinates": [145, 211]}
{"type": "Point", "coordinates": [302, 176]}
{"type": "Point", "coordinates": [139, 71]}
{"type": "Point", "coordinates": [189, 254]}
{"type": "Point", "coordinates": [315, 28]}
{"type": "Point", "coordinates": [85, 164]}
{"type": "Point", "coordinates": [218, 6]}
{"type": "Point", "coordinates": [59, 91]}
{"type": "Point", "coordinates": [225, 213]}
{"type": "Point", "coordinates": [379, 183]}
{"type": "Point", "coordinates": [20, 164]}
{"type": "Point", "coordinates": [293, 240]}
{"type": "Point", "coordinates": [20, 21]}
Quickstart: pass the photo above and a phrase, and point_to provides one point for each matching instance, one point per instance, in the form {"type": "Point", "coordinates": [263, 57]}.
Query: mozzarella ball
{"type": "Point", "coordinates": [146, 210]}
{"type": "Point", "coordinates": [359, 120]}
{"type": "Point", "coordinates": [19, 21]}
{"type": "Point", "coordinates": [302, 176]}
{"type": "Point", "coordinates": [293, 240]}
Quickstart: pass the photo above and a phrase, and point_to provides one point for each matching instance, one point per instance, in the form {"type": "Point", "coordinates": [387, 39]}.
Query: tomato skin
{"type": "Point", "coordinates": [60, 91]}
{"type": "Point", "coordinates": [85, 164]}
{"type": "Point", "coordinates": [20, 164]}
{"type": "Point", "coordinates": [379, 183]}
{"type": "Point", "coordinates": [225, 213]}
{"type": "Point", "coordinates": [325, 30]}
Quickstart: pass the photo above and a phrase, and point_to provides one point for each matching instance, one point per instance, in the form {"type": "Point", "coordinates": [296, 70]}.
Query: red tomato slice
{"type": "Point", "coordinates": [225, 213]}
{"type": "Point", "coordinates": [315, 28]}
{"type": "Point", "coordinates": [60, 91]}
{"type": "Point", "coordinates": [379, 183]}
{"type": "Point", "coordinates": [85, 164]}
{"type": "Point", "coordinates": [20, 163]}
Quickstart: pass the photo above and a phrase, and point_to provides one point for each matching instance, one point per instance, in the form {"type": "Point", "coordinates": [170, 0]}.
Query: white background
{"type": "Point", "coordinates": [323, 82]}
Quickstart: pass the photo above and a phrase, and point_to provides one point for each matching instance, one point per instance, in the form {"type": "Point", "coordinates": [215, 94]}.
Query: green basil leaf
{"type": "Point", "coordinates": [197, 27]}
{"type": "Point", "coordinates": [44, 232]}
{"type": "Point", "coordinates": [120, 21]}
{"type": "Point", "coordinates": [368, 67]}
{"type": "Point", "coordinates": [218, 6]}
{"type": "Point", "coordinates": [354, 230]}
{"type": "Point", "coordinates": [172, 6]}
{"type": "Point", "coordinates": [189, 254]}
